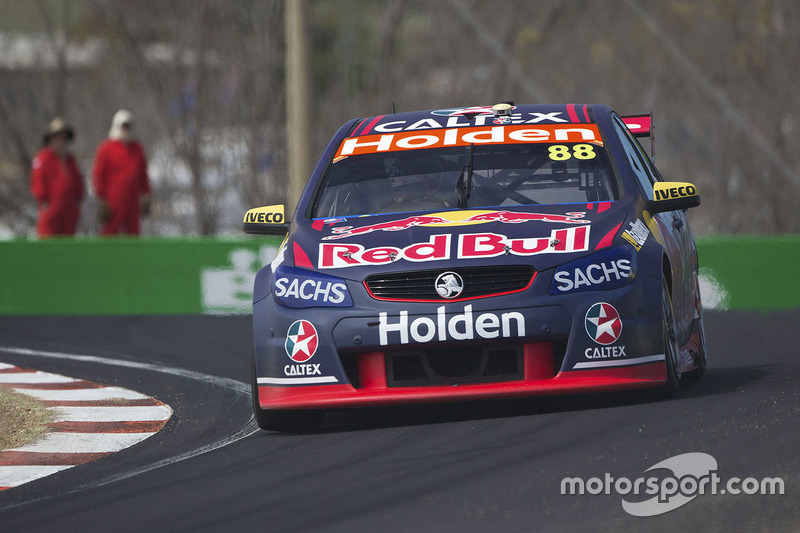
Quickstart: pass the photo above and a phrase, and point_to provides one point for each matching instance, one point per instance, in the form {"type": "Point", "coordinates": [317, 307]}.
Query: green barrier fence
{"type": "Point", "coordinates": [193, 276]}
{"type": "Point", "coordinates": [130, 276]}
{"type": "Point", "coordinates": [753, 272]}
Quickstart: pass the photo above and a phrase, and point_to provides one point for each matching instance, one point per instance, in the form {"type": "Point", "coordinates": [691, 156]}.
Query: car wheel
{"type": "Point", "coordinates": [702, 355]}
{"type": "Point", "coordinates": [671, 349]}
{"type": "Point", "coordinates": [290, 421]}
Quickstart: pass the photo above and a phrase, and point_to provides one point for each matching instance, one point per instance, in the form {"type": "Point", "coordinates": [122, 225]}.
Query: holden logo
{"type": "Point", "coordinates": [449, 285]}
{"type": "Point", "coordinates": [603, 323]}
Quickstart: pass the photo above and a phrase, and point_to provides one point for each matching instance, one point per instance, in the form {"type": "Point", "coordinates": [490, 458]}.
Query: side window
{"type": "Point", "coordinates": [633, 151]}
{"type": "Point", "coordinates": [649, 167]}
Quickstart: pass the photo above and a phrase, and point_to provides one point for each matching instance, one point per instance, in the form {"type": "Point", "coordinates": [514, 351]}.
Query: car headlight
{"type": "Point", "coordinates": [609, 269]}
{"type": "Point", "coordinates": [298, 289]}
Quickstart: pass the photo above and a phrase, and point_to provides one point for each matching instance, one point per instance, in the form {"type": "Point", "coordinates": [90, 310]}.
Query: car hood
{"type": "Point", "coordinates": [543, 236]}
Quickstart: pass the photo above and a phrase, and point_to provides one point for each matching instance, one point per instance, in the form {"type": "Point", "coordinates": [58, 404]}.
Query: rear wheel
{"type": "Point", "coordinates": [702, 352]}
{"type": "Point", "coordinates": [291, 421]}
{"type": "Point", "coordinates": [671, 349]}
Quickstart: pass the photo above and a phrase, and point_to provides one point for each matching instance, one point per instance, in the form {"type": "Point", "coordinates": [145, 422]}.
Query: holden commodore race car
{"type": "Point", "coordinates": [474, 253]}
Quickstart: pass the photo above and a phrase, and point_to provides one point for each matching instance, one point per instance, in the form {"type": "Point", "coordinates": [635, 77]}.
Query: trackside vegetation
{"type": "Point", "coordinates": [22, 419]}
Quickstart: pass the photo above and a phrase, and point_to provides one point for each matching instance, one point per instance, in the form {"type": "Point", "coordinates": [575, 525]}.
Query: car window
{"type": "Point", "coordinates": [503, 175]}
{"type": "Point", "coordinates": [635, 155]}
{"type": "Point", "coordinates": [649, 167]}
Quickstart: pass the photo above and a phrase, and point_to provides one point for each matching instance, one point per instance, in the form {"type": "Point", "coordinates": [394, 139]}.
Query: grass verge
{"type": "Point", "coordinates": [22, 419]}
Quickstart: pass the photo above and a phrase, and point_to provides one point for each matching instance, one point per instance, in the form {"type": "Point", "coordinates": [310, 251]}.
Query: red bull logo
{"type": "Point", "coordinates": [444, 219]}
{"type": "Point", "coordinates": [515, 217]}
{"type": "Point", "coordinates": [468, 246]}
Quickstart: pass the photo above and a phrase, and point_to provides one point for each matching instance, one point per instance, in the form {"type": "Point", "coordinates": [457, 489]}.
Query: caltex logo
{"type": "Point", "coordinates": [603, 323]}
{"type": "Point", "coordinates": [301, 341]}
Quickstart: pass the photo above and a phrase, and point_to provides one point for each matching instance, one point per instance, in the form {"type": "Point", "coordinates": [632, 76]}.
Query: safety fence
{"type": "Point", "coordinates": [130, 276]}
{"type": "Point", "coordinates": [750, 272]}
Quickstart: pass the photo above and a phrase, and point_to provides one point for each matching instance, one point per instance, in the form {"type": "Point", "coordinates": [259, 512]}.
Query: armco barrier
{"type": "Point", "coordinates": [193, 276]}
{"type": "Point", "coordinates": [130, 276]}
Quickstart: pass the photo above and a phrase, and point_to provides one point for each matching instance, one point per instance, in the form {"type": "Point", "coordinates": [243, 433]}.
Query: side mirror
{"type": "Point", "coordinates": [673, 195]}
{"type": "Point", "coordinates": [268, 220]}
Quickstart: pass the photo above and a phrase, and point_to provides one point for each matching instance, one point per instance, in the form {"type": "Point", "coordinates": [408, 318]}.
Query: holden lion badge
{"type": "Point", "coordinates": [449, 285]}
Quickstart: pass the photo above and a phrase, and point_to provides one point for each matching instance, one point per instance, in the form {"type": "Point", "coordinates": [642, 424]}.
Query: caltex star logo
{"type": "Point", "coordinates": [301, 341]}
{"type": "Point", "coordinates": [603, 323]}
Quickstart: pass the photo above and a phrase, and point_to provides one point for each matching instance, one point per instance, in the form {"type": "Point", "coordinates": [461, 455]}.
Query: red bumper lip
{"type": "Point", "coordinates": [573, 382]}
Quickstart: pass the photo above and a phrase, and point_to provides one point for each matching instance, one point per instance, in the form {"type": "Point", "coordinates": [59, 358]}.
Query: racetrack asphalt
{"type": "Point", "coordinates": [493, 466]}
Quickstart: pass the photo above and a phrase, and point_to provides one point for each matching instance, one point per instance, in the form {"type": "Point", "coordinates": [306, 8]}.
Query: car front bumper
{"type": "Point", "coordinates": [356, 358]}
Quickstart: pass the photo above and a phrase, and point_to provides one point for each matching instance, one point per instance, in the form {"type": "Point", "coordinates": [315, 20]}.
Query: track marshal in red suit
{"type": "Point", "coordinates": [120, 179]}
{"type": "Point", "coordinates": [56, 182]}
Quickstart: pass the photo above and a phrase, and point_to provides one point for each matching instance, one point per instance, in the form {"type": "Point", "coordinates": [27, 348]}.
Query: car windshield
{"type": "Point", "coordinates": [503, 175]}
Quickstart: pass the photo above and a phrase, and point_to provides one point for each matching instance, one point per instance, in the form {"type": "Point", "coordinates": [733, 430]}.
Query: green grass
{"type": "Point", "coordinates": [22, 419]}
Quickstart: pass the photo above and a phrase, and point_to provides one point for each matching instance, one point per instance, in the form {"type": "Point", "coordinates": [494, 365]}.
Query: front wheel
{"type": "Point", "coordinates": [701, 356]}
{"type": "Point", "coordinates": [671, 349]}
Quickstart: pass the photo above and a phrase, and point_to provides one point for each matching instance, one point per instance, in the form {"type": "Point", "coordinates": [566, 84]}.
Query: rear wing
{"type": "Point", "coordinates": [642, 126]}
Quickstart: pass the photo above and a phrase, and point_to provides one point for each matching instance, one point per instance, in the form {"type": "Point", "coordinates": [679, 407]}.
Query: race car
{"type": "Point", "coordinates": [474, 253]}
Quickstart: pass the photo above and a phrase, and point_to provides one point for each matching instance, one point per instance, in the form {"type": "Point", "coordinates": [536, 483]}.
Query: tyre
{"type": "Point", "coordinates": [289, 421]}
{"type": "Point", "coordinates": [702, 355]}
{"type": "Point", "coordinates": [671, 348]}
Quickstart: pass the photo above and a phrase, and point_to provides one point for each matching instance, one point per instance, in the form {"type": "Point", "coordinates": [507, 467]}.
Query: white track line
{"type": "Point", "coordinates": [34, 377]}
{"type": "Point", "coordinates": [83, 442]}
{"type": "Point", "coordinates": [77, 395]}
{"type": "Point", "coordinates": [111, 414]}
{"type": "Point", "coordinates": [171, 370]}
{"type": "Point", "coordinates": [5, 366]}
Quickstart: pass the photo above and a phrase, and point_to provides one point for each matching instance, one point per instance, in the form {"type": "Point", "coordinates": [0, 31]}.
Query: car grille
{"type": "Point", "coordinates": [420, 285]}
{"type": "Point", "coordinates": [419, 368]}
{"type": "Point", "coordinates": [432, 366]}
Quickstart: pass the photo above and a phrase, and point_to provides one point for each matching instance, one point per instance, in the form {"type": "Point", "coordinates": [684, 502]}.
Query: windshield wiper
{"type": "Point", "coordinates": [464, 186]}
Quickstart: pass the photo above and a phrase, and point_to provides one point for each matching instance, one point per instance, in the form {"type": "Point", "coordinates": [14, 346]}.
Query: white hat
{"type": "Point", "coordinates": [121, 117]}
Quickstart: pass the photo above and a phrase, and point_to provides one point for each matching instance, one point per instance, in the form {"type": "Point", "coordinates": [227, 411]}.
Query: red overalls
{"type": "Point", "coordinates": [120, 178]}
{"type": "Point", "coordinates": [58, 187]}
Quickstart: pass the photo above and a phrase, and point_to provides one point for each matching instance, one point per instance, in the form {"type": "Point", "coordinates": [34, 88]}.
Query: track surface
{"type": "Point", "coordinates": [464, 467]}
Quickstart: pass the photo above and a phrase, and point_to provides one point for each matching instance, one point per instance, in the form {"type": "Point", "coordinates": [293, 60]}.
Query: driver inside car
{"type": "Point", "coordinates": [415, 186]}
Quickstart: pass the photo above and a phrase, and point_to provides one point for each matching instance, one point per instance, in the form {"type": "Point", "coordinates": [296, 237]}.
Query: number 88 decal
{"type": "Point", "coordinates": [560, 152]}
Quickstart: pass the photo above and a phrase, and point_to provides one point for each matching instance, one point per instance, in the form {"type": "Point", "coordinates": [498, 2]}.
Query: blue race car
{"type": "Point", "coordinates": [469, 253]}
